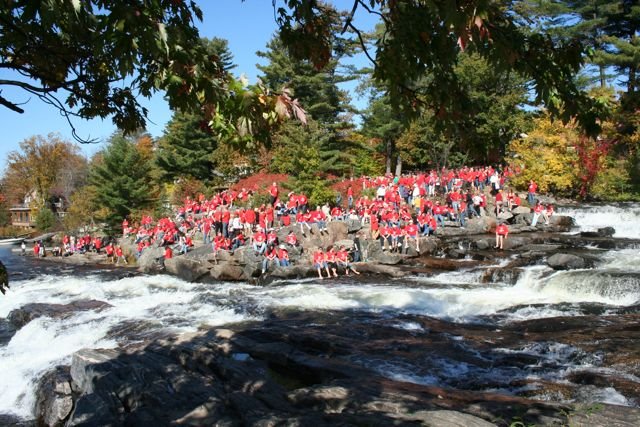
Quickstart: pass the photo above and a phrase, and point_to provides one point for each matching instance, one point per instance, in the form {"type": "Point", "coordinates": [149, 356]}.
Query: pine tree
{"type": "Point", "coordinates": [122, 178]}
{"type": "Point", "coordinates": [185, 150]}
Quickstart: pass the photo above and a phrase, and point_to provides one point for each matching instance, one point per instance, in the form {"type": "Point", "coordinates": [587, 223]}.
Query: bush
{"type": "Point", "coordinates": [45, 219]}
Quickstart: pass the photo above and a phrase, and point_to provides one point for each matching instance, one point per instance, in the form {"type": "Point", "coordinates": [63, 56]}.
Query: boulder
{"type": "Point", "coordinates": [186, 269]}
{"type": "Point", "coordinates": [483, 244]}
{"type": "Point", "coordinates": [227, 271]}
{"type": "Point", "coordinates": [148, 261]}
{"type": "Point", "coordinates": [480, 225]}
{"type": "Point", "coordinates": [505, 216]}
{"type": "Point", "coordinates": [600, 232]}
{"type": "Point", "coordinates": [54, 398]}
{"type": "Point", "coordinates": [25, 314]}
{"type": "Point", "coordinates": [353, 225]}
{"type": "Point", "coordinates": [565, 262]}
{"type": "Point", "coordinates": [521, 210]}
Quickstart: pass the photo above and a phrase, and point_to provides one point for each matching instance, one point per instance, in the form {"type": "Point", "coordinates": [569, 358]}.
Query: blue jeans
{"type": "Point", "coordinates": [440, 220]}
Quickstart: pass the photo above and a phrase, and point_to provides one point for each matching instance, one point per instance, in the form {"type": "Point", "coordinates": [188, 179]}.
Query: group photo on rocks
{"type": "Point", "coordinates": [319, 213]}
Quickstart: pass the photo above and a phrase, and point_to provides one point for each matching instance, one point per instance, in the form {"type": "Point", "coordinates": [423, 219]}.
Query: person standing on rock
{"type": "Point", "coordinates": [502, 231]}
{"type": "Point", "coordinates": [531, 192]}
{"type": "Point", "coordinates": [273, 193]}
{"type": "Point", "coordinates": [538, 210]}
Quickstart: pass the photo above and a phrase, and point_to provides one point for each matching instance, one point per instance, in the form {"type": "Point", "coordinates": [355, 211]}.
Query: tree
{"type": "Point", "coordinates": [45, 219]}
{"type": "Point", "coordinates": [424, 38]}
{"type": "Point", "coordinates": [185, 149]}
{"type": "Point", "coordinates": [122, 179]}
{"type": "Point", "coordinates": [382, 122]}
{"type": "Point", "coordinates": [50, 166]}
{"type": "Point", "coordinates": [96, 58]}
{"type": "Point", "coordinates": [546, 155]}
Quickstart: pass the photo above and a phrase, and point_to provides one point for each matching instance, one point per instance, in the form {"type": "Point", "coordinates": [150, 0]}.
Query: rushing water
{"type": "Point", "coordinates": [624, 217]}
{"type": "Point", "coordinates": [167, 303]}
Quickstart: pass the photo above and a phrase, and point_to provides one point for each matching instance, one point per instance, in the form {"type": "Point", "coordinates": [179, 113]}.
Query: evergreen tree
{"type": "Point", "coordinates": [185, 150]}
{"type": "Point", "coordinates": [318, 92]}
{"type": "Point", "coordinates": [122, 178]}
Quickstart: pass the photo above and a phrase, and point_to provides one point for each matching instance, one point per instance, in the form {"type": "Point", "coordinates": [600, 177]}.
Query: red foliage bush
{"type": "Point", "coordinates": [260, 182]}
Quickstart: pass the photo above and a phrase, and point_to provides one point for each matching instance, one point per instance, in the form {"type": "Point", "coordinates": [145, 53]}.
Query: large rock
{"type": "Point", "coordinates": [25, 314]}
{"type": "Point", "coordinates": [600, 232]}
{"type": "Point", "coordinates": [228, 271]}
{"type": "Point", "coordinates": [566, 262]}
{"type": "Point", "coordinates": [186, 269]}
{"type": "Point", "coordinates": [54, 398]}
{"type": "Point", "coordinates": [520, 210]}
{"type": "Point", "coordinates": [148, 261]}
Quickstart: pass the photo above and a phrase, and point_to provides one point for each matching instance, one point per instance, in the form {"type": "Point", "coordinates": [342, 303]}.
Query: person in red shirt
{"type": "Point", "coordinates": [411, 232]}
{"type": "Point", "coordinates": [531, 192]}
{"type": "Point", "coordinates": [342, 257]}
{"type": "Point", "coordinates": [269, 255]}
{"type": "Point", "coordinates": [110, 252]}
{"type": "Point", "coordinates": [350, 197]}
{"type": "Point", "coordinates": [385, 236]}
{"type": "Point", "coordinates": [330, 258]}
{"type": "Point", "coordinates": [273, 193]}
{"type": "Point", "coordinates": [259, 242]}
{"type": "Point", "coordinates": [283, 256]}
{"type": "Point", "coordinates": [538, 210]}
{"type": "Point", "coordinates": [502, 231]}
{"type": "Point", "coordinates": [319, 263]}
{"type": "Point", "coordinates": [168, 253]}
{"type": "Point", "coordinates": [120, 255]}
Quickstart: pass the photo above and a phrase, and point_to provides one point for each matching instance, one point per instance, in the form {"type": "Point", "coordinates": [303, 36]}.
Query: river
{"type": "Point", "coordinates": [462, 298]}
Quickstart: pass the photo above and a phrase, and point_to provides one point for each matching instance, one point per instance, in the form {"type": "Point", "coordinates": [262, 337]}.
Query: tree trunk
{"type": "Point", "coordinates": [399, 166]}
{"type": "Point", "coordinates": [388, 155]}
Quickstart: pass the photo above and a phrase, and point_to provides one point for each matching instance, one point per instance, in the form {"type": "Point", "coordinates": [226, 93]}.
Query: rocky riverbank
{"type": "Point", "coordinates": [199, 265]}
{"type": "Point", "coordinates": [304, 368]}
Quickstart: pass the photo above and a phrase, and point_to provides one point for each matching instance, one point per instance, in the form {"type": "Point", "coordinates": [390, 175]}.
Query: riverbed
{"type": "Point", "coordinates": [557, 336]}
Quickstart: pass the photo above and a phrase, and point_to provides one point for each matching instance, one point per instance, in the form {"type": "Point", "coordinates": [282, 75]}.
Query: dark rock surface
{"type": "Point", "coordinates": [561, 261]}
{"type": "Point", "coordinates": [25, 314]}
{"type": "Point", "coordinates": [301, 368]}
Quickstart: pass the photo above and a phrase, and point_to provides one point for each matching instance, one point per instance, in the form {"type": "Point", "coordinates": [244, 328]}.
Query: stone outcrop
{"type": "Point", "coordinates": [562, 261]}
{"type": "Point", "coordinates": [304, 368]}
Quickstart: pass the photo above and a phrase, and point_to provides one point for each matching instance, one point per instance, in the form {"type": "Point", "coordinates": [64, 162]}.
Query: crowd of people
{"type": "Point", "coordinates": [398, 212]}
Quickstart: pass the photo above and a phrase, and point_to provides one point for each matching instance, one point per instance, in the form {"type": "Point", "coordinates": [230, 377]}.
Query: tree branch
{"type": "Point", "coordinates": [10, 105]}
{"type": "Point", "coordinates": [350, 17]}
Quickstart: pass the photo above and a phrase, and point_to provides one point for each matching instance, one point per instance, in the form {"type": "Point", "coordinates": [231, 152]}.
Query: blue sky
{"type": "Point", "coordinates": [247, 26]}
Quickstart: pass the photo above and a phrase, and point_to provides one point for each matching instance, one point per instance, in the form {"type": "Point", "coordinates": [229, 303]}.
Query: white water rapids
{"type": "Point", "coordinates": [167, 302]}
{"type": "Point", "coordinates": [624, 217]}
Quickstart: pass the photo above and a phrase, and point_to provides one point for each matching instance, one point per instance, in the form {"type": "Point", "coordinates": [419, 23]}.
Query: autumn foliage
{"type": "Point", "coordinates": [592, 154]}
{"type": "Point", "coordinates": [260, 182]}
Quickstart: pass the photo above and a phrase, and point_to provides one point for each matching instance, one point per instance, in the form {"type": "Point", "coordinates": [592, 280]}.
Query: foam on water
{"type": "Point", "coordinates": [44, 342]}
{"type": "Point", "coordinates": [623, 217]}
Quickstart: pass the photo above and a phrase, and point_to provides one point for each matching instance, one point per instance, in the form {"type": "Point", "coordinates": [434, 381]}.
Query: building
{"type": "Point", "coordinates": [22, 215]}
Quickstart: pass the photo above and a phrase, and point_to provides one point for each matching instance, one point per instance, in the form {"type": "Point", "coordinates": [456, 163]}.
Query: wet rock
{"type": "Point", "coordinates": [4, 278]}
{"type": "Point", "coordinates": [25, 314]}
{"type": "Point", "coordinates": [505, 216]}
{"type": "Point", "coordinates": [227, 271]}
{"type": "Point", "coordinates": [562, 261]}
{"type": "Point", "coordinates": [55, 398]}
{"type": "Point", "coordinates": [7, 331]}
{"type": "Point", "coordinates": [601, 232]}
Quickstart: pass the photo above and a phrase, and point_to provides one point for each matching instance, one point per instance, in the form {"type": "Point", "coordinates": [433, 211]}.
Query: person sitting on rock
{"type": "Point", "coordinates": [502, 231]}
{"type": "Point", "coordinates": [385, 237]}
{"type": "Point", "coordinates": [283, 256]}
{"type": "Point", "coordinates": [342, 257]}
{"type": "Point", "coordinates": [330, 258]}
{"type": "Point", "coordinates": [259, 242]}
{"type": "Point", "coordinates": [270, 254]}
{"type": "Point", "coordinates": [411, 232]}
{"type": "Point", "coordinates": [319, 263]}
